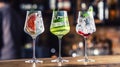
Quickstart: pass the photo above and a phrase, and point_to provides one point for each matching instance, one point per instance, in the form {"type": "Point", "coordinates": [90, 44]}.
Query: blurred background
{"type": "Point", "coordinates": [105, 41]}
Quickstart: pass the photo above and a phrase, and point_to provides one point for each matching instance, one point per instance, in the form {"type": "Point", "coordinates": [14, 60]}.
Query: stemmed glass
{"type": "Point", "coordinates": [34, 26]}
{"type": "Point", "coordinates": [59, 27]}
{"type": "Point", "coordinates": [85, 26]}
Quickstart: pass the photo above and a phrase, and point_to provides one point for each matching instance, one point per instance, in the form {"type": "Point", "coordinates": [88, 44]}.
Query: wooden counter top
{"type": "Point", "coordinates": [100, 61]}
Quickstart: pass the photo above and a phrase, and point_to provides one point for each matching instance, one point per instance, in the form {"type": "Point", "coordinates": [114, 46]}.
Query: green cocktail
{"type": "Point", "coordinates": [60, 31]}
{"type": "Point", "coordinates": [59, 27]}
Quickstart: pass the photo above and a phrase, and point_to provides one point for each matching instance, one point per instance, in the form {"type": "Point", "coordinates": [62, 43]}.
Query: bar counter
{"type": "Point", "coordinates": [100, 61]}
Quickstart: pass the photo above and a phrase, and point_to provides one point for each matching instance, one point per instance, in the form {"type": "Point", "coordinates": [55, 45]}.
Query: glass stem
{"type": "Point", "coordinates": [34, 57]}
{"type": "Point", "coordinates": [85, 49]}
{"type": "Point", "coordinates": [60, 38]}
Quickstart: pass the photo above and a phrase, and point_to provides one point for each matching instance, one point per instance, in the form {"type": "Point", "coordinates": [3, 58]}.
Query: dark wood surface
{"type": "Point", "coordinates": [100, 61]}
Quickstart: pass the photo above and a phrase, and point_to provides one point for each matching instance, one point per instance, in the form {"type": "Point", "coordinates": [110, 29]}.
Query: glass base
{"type": "Point", "coordinates": [34, 61]}
{"type": "Point", "coordinates": [86, 60]}
{"type": "Point", "coordinates": [59, 61]}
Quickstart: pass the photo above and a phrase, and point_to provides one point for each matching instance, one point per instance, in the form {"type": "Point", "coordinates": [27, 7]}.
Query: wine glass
{"type": "Point", "coordinates": [34, 26]}
{"type": "Point", "coordinates": [85, 26]}
{"type": "Point", "coordinates": [59, 27]}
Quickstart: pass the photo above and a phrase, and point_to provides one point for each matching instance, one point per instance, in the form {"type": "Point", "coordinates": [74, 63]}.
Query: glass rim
{"type": "Point", "coordinates": [60, 11]}
{"type": "Point", "coordinates": [34, 11]}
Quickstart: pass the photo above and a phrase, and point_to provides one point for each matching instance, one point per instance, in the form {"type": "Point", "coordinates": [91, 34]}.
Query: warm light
{"type": "Point", "coordinates": [100, 10]}
{"type": "Point", "coordinates": [66, 4]}
{"type": "Point", "coordinates": [106, 13]}
{"type": "Point", "coordinates": [60, 5]}
{"type": "Point", "coordinates": [52, 4]}
{"type": "Point", "coordinates": [34, 6]}
{"type": "Point", "coordinates": [74, 47]}
{"type": "Point", "coordinates": [81, 44]}
{"type": "Point", "coordinates": [28, 46]}
{"type": "Point", "coordinates": [34, 65]}
{"type": "Point", "coordinates": [83, 5]}
{"type": "Point", "coordinates": [96, 52]}
{"type": "Point", "coordinates": [74, 54]}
